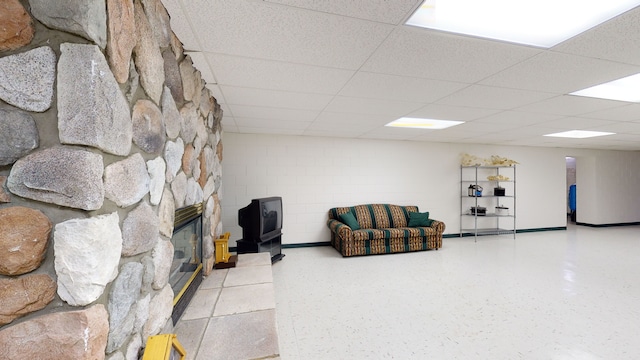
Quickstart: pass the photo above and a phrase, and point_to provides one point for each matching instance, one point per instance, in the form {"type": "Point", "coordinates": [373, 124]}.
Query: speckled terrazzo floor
{"type": "Point", "coordinates": [571, 294]}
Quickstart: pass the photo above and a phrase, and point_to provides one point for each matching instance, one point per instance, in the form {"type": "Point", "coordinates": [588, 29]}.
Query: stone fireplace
{"type": "Point", "coordinates": [106, 128]}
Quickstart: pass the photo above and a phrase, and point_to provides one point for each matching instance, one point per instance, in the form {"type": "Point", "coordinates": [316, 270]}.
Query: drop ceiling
{"type": "Point", "coordinates": [342, 68]}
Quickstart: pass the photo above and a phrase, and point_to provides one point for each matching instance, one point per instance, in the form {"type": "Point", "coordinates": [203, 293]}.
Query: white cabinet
{"type": "Point", "coordinates": [487, 200]}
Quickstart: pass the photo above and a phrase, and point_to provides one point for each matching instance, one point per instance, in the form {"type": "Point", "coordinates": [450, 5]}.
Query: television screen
{"type": "Point", "coordinates": [261, 219]}
{"type": "Point", "coordinates": [271, 219]}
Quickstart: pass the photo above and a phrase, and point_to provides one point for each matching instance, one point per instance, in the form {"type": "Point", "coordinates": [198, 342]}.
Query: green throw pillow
{"type": "Point", "coordinates": [350, 220]}
{"type": "Point", "coordinates": [417, 219]}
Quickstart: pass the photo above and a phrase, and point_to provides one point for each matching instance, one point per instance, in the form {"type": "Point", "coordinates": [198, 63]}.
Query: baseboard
{"type": "Point", "coordinates": [328, 243]}
{"type": "Point", "coordinates": [304, 245]}
{"type": "Point", "coordinates": [293, 246]}
{"type": "Point", "coordinates": [518, 231]}
{"type": "Point", "coordinates": [608, 225]}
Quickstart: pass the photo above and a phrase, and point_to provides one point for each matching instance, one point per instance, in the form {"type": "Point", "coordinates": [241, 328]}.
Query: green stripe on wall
{"type": "Point", "coordinates": [608, 225]}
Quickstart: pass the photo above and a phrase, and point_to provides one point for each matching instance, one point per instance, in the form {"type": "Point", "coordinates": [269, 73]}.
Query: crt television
{"type": "Point", "coordinates": [261, 219]}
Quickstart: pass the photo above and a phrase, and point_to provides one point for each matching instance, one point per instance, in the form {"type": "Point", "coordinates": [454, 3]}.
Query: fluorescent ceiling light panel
{"type": "Point", "coordinates": [542, 23]}
{"type": "Point", "coordinates": [625, 89]}
{"type": "Point", "coordinates": [418, 123]}
{"type": "Point", "coordinates": [580, 134]}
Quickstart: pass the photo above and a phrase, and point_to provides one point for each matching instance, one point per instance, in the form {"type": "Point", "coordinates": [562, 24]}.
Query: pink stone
{"type": "Point", "coordinates": [78, 334]}
{"type": "Point", "coordinates": [121, 28]}
{"type": "Point", "coordinates": [17, 27]}
{"type": "Point", "coordinates": [24, 295]}
{"type": "Point", "coordinates": [24, 234]}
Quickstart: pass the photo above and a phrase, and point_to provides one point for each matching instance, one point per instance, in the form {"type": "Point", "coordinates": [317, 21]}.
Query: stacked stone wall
{"type": "Point", "coordinates": [106, 128]}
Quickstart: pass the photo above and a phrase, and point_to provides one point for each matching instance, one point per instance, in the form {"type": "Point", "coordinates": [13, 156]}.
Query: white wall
{"type": "Point", "coordinates": [314, 174]}
{"type": "Point", "coordinates": [608, 189]}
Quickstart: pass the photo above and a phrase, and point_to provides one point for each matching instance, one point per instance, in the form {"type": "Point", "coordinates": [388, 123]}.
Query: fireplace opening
{"type": "Point", "coordinates": [186, 267]}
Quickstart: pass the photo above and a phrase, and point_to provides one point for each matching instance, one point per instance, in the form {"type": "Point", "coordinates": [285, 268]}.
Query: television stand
{"type": "Point", "coordinates": [271, 245]}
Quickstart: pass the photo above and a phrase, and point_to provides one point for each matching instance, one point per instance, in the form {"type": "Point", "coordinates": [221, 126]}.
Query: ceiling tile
{"type": "Point", "coordinates": [628, 112]}
{"type": "Point", "coordinates": [180, 25]}
{"type": "Point", "coordinates": [575, 123]}
{"type": "Point", "coordinates": [629, 128]}
{"type": "Point", "coordinates": [615, 40]}
{"type": "Point", "coordinates": [264, 30]}
{"type": "Point", "coordinates": [274, 75]}
{"type": "Point", "coordinates": [446, 112]}
{"type": "Point", "coordinates": [256, 123]}
{"type": "Point", "coordinates": [393, 108]}
{"type": "Point", "coordinates": [274, 98]}
{"type": "Point", "coordinates": [272, 113]}
{"type": "Point", "coordinates": [431, 54]}
{"type": "Point", "coordinates": [390, 12]}
{"type": "Point", "coordinates": [272, 130]}
{"type": "Point", "coordinates": [570, 105]}
{"type": "Point", "coordinates": [393, 87]}
{"type": "Point", "coordinates": [493, 97]}
{"type": "Point", "coordinates": [559, 73]}
{"type": "Point", "coordinates": [519, 118]}
{"type": "Point", "coordinates": [335, 132]}
{"type": "Point", "coordinates": [349, 121]}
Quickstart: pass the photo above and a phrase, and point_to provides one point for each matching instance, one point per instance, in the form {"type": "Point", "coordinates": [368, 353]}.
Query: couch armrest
{"type": "Point", "coordinates": [340, 229]}
{"type": "Point", "coordinates": [438, 226]}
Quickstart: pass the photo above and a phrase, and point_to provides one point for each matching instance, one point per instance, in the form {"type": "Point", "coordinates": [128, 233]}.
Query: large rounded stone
{"type": "Point", "coordinates": [101, 119]}
{"type": "Point", "coordinates": [162, 256]}
{"type": "Point", "coordinates": [148, 58]}
{"type": "Point", "coordinates": [81, 17]}
{"type": "Point", "coordinates": [139, 230]}
{"type": "Point", "coordinates": [189, 122]}
{"type": "Point", "coordinates": [18, 135]}
{"type": "Point", "coordinates": [156, 169]}
{"type": "Point", "coordinates": [24, 295]}
{"type": "Point", "coordinates": [87, 253]}
{"type": "Point", "coordinates": [148, 127]}
{"type": "Point", "coordinates": [24, 234]}
{"type": "Point", "coordinates": [26, 79]}
{"type": "Point", "coordinates": [121, 29]}
{"type": "Point", "coordinates": [173, 79]}
{"type": "Point", "coordinates": [159, 21]}
{"type": "Point", "coordinates": [122, 298]}
{"type": "Point", "coordinates": [17, 28]}
{"type": "Point", "coordinates": [60, 175]}
{"type": "Point", "coordinates": [126, 181]}
{"type": "Point", "coordinates": [160, 311]}
{"type": "Point", "coordinates": [173, 152]}
{"type": "Point", "coordinates": [78, 334]}
{"type": "Point", "coordinates": [166, 213]}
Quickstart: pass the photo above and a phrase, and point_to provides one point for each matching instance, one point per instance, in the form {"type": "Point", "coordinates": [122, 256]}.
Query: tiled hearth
{"type": "Point", "coordinates": [232, 315]}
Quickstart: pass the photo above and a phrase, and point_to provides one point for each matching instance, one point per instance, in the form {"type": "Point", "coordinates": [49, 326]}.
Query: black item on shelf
{"type": "Point", "coordinates": [498, 191]}
{"type": "Point", "coordinates": [478, 210]}
{"type": "Point", "coordinates": [475, 190]}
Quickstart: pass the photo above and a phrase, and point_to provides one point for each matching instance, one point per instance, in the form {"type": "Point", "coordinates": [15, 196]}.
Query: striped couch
{"type": "Point", "coordinates": [383, 229]}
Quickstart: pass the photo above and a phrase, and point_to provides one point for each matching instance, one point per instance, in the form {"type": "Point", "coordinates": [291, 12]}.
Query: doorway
{"type": "Point", "coordinates": [571, 189]}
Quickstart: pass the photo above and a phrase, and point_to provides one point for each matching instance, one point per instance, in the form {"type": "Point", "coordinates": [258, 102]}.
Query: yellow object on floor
{"type": "Point", "coordinates": [164, 347]}
{"type": "Point", "coordinates": [222, 248]}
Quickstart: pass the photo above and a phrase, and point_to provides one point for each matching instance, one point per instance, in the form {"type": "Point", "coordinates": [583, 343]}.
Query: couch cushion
{"type": "Point", "coordinates": [351, 221]}
{"type": "Point", "coordinates": [417, 219]}
{"type": "Point", "coordinates": [383, 216]}
{"type": "Point", "coordinates": [392, 233]}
